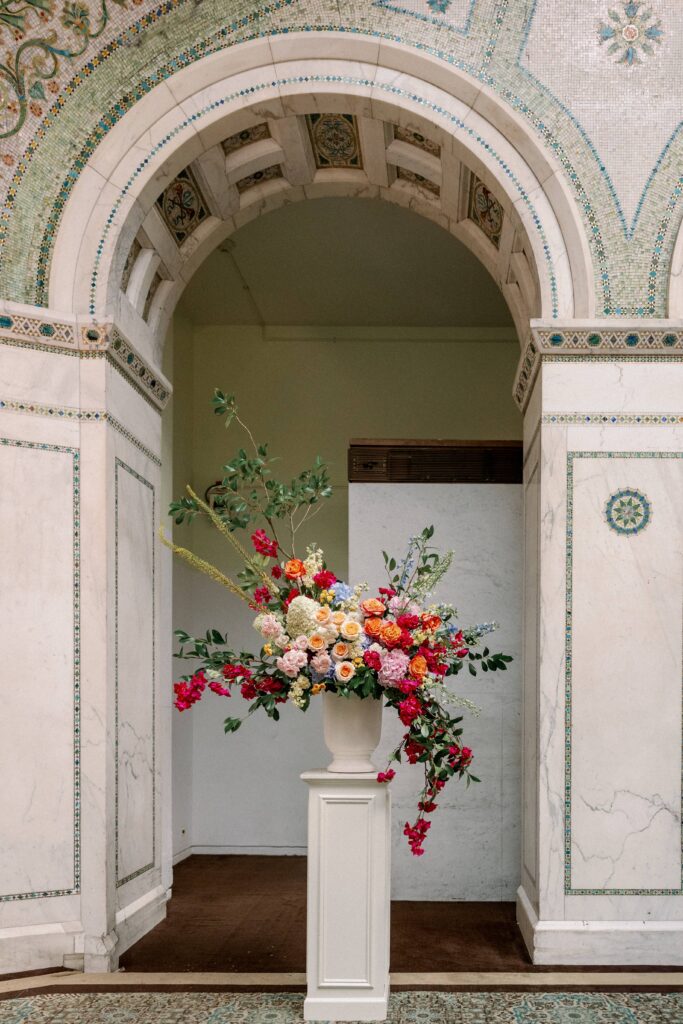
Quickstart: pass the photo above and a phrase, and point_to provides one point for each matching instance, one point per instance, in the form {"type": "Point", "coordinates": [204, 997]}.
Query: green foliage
{"type": "Point", "coordinates": [249, 492]}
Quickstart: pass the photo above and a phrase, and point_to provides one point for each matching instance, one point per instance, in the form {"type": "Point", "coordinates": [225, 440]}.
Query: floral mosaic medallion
{"type": "Point", "coordinates": [182, 206]}
{"type": "Point", "coordinates": [630, 32]}
{"type": "Point", "coordinates": [335, 140]}
{"type": "Point", "coordinates": [485, 211]}
{"type": "Point", "coordinates": [628, 511]}
{"type": "Point", "coordinates": [404, 1008]}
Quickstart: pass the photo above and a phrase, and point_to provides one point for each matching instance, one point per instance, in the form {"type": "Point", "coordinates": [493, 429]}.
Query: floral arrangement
{"type": "Point", "coordinates": [320, 635]}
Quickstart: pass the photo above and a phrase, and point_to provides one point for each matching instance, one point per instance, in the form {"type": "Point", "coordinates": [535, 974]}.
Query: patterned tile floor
{"type": "Point", "coordinates": [405, 1008]}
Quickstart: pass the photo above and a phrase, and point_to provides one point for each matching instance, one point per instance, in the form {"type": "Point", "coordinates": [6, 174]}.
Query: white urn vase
{"type": "Point", "coordinates": [352, 728]}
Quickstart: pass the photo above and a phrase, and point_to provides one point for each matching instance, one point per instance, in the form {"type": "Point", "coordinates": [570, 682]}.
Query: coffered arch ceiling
{"type": "Point", "coordinates": [273, 162]}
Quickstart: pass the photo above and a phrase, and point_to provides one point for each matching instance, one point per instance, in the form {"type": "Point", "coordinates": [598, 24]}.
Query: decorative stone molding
{"type": "Point", "coordinates": [609, 337]}
{"type": "Point", "coordinates": [86, 340]}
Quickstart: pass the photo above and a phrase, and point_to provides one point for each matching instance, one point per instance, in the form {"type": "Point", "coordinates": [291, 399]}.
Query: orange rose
{"type": "Point", "coordinates": [338, 618]}
{"type": "Point", "coordinates": [340, 651]}
{"type": "Point", "coordinates": [430, 622]}
{"type": "Point", "coordinates": [323, 615]}
{"type": "Point", "coordinates": [372, 607]}
{"type": "Point", "coordinates": [295, 569]}
{"type": "Point", "coordinates": [418, 666]}
{"type": "Point", "coordinates": [373, 627]}
{"type": "Point", "coordinates": [350, 630]}
{"type": "Point", "coordinates": [316, 642]}
{"type": "Point", "coordinates": [391, 634]}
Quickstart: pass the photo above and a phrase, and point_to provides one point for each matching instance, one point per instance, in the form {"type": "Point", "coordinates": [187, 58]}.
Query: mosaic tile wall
{"type": "Point", "coordinates": [597, 83]}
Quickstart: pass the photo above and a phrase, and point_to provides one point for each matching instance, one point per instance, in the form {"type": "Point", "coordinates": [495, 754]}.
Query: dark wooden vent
{"type": "Point", "coordinates": [435, 462]}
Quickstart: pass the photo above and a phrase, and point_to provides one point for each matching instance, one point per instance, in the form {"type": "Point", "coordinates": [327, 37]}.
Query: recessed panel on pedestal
{"type": "Point", "coordinates": [344, 943]}
{"type": "Point", "coordinates": [39, 721]}
{"type": "Point", "coordinates": [624, 673]}
{"type": "Point", "coordinates": [134, 583]}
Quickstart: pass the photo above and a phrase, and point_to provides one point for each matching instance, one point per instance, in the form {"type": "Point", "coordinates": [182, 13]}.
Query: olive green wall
{"type": "Point", "coordinates": [308, 391]}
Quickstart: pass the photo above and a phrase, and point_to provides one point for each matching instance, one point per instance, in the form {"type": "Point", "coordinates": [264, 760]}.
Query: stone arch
{"type": "Point", "coordinates": [541, 262]}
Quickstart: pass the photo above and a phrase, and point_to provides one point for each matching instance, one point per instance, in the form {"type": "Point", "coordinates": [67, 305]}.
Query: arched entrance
{"type": "Point", "coordinates": [448, 149]}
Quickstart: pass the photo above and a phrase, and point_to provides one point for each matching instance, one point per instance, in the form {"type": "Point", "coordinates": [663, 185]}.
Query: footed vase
{"type": "Point", "coordinates": [352, 729]}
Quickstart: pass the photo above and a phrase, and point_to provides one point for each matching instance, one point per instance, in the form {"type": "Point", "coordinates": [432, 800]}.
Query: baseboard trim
{"type": "Point", "coordinates": [137, 918]}
{"type": "Point", "coordinates": [35, 947]}
{"type": "Point", "coordinates": [261, 851]}
{"type": "Point", "coordinates": [599, 943]}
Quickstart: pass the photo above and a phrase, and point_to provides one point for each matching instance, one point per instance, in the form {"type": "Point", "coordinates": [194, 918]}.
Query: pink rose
{"type": "Point", "coordinates": [400, 605]}
{"type": "Point", "coordinates": [393, 666]}
{"type": "Point", "coordinates": [291, 662]}
{"type": "Point", "coordinates": [321, 663]}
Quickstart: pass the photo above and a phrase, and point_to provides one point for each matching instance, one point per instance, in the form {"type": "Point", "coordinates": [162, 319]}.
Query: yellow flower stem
{"type": "Point", "coordinates": [203, 566]}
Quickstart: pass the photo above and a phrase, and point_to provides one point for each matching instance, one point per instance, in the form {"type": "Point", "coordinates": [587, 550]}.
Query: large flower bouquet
{"type": "Point", "coordinates": [320, 634]}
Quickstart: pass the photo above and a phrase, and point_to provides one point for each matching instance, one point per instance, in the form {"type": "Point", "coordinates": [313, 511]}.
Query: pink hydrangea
{"type": "Point", "coordinates": [321, 663]}
{"type": "Point", "coordinates": [291, 662]}
{"type": "Point", "coordinates": [393, 667]}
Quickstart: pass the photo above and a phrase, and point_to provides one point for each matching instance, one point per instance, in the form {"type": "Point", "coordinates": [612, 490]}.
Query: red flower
{"type": "Point", "coordinates": [409, 709]}
{"type": "Point", "coordinates": [408, 621]}
{"type": "Point", "coordinates": [408, 685]}
{"type": "Point", "coordinates": [188, 693]}
{"type": "Point", "coordinates": [276, 572]}
{"type": "Point", "coordinates": [220, 690]}
{"type": "Point", "coordinates": [386, 776]}
{"type": "Point", "coordinates": [248, 691]}
{"type": "Point", "coordinates": [371, 659]}
{"type": "Point", "coordinates": [290, 597]}
{"type": "Point", "coordinates": [324, 579]}
{"type": "Point", "coordinates": [427, 807]}
{"type": "Point", "coordinates": [262, 595]}
{"type": "Point", "coordinates": [263, 544]}
{"type": "Point", "coordinates": [417, 834]}
{"type": "Point", "coordinates": [413, 751]}
{"type": "Point", "coordinates": [387, 591]}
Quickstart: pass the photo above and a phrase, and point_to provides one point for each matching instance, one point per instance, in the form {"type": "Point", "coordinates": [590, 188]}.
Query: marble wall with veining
{"type": "Point", "coordinates": [473, 848]}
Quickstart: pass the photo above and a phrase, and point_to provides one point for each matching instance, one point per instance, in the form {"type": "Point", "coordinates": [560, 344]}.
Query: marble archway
{"type": "Point", "coordinates": [86, 365]}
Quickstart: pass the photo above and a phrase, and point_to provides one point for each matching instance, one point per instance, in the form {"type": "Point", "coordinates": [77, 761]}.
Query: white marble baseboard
{"type": "Point", "coordinates": [595, 943]}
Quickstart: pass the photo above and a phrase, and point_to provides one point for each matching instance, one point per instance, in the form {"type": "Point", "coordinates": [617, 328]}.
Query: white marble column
{"type": "Point", "coordinates": [81, 736]}
{"type": "Point", "coordinates": [602, 870]}
{"type": "Point", "coordinates": [347, 955]}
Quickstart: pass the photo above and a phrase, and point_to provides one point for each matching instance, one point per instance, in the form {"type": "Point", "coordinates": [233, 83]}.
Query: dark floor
{"type": "Point", "coordinates": [249, 914]}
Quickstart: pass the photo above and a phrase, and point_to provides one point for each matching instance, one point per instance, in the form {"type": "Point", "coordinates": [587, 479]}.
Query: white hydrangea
{"type": "Point", "coordinates": [301, 616]}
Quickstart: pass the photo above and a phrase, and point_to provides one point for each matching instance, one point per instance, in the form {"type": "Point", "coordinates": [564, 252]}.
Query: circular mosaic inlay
{"type": "Point", "coordinates": [628, 511]}
{"type": "Point", "coordinates": [630, 33]}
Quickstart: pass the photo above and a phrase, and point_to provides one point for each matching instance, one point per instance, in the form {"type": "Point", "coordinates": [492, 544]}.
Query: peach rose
{"type": "Point", "coordinates": [340, 651]}
{"type": "Point", "coordinates": [323, 615]}
{"type": "Point", "coordinates": [373, 627]}
{"type": "Point", "coordinates": [344, 671]}
{"type": "Point", "coordinates": [316, 642]}
{"type": "Point", "coordinates": [372, 607]}
{"type": "Point", "coordinates": [391, 634]}
{"type": "Point", "coordinates": [350, 630]}
{"type": "Point", "coordinates": [418, 666]}
{"type": "Point", "coordinates": [338, 618]}
{"type": "Point", "coordinates": [430, 622]}
{"type": "Point", "coordinates": [294, 569]}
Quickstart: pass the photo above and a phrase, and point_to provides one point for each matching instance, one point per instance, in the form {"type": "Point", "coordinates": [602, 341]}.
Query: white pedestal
{"type": "Point", "coordinates": [347, 958]}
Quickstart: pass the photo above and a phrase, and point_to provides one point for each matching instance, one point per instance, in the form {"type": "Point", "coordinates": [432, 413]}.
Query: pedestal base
{"type": "Point", "coordinates": [347, 955]}
{"type": "Point", "coordinates": [595, 943]}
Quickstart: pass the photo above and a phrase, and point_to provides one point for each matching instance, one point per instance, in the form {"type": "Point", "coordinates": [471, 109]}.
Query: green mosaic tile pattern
{"type": "Point", "coordinates": [144, 44]}
{"type": "Point", "coordinates": [404, 1008]}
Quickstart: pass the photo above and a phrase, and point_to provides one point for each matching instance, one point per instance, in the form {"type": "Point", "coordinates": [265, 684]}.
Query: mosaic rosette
{"type": "Point", "coordinates": [628, 511]}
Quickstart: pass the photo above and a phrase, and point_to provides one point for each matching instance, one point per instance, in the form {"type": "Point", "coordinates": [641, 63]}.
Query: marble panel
{"type": "Point", "coordinates": [624, 671]}
{"type": "Point", "coordinates": [612, 386]}
{"type": "Point", "coordinates": [134, 585]}
{"type": "Point", "coordinates": [474, 843]}
{"type": "Point", "coordinates": [530, 691]}
{"type": "Point", "coordinates": [39, 726]}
